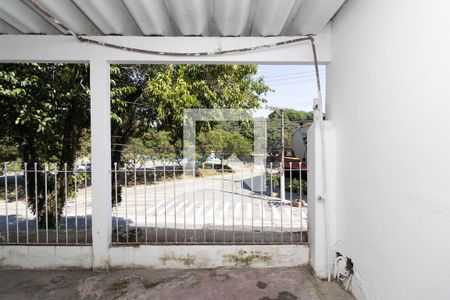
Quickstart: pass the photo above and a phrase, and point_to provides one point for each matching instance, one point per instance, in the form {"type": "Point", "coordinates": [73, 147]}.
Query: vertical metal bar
{"type": "Point", "coordinates": [46, 201]}
{"type": "Point", "coordinates": [125, 194]}
{"type": "Point", "coordinates": [116, 202]}
{"type": "Point", "coordinates": [262, 206]}
{"type": "Point", "coordinates": [66, 204]}
{"type": "Point", "coordinates": [282, 200]}
{"type": "Point", "coordinates": [165, 202]}
{"type": "Point", "coordinates": [204, 206]}
{"type": "Point", "coordinates": [290, 195]}
{"type": "Point", "coordinates": [76, 204]}
{"type": "Point", "coordinates": [5, 166]}
{"type": "Point", "coordinates": [193, 200]}
{"type": "Point", "coordinates": [300, 202]}
{"type": "Point", "coordinates": [232, 204]}
{"type": "Point", "coordinates": [213, 204]}
{"type": "Point", "coordinates": [271, 200]}
{"type": "Point", "coordinates": [35, 203]}
{"type": "Point", "coordinates": [26, 198]}
{"type": "Point", "coordinates": [156, 206]}
{"type": "Point", "coordinates": [184, 202]}
{"type": "Point", "coordinates": [56, 206]}
{"type": "Point", "coordinates": [175, 202]}
{"type": "Point", "coordinates": [242, 202]}
{"type": "Point", "coordinates": [252, 200]}
{"type": "Point", "coordinates": [145, 203]}
{"type": "Point", "coordinates": [17, 207]}
{"type": "Point", "coordinates": [135, 206]}
{"type": "Point", "coordinates": [85, 205]}
{"type": "Point", "coordinates": [223, 205]}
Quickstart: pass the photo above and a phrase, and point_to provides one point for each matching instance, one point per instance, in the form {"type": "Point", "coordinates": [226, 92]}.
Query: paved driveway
{"type": "Point", "coordinates": [258, 284]}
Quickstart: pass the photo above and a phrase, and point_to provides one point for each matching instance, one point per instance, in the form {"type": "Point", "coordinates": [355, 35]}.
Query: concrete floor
{"type": "Point", "coordinates": [267, 284]}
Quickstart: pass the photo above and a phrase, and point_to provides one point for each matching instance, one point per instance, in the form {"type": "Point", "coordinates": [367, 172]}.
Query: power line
{"type": "Point", "coordinates": [291, 82]}
{"type": "Point", "coordinates": [292, 77]}
{"type": "Point", "coordinates": [296, 73]}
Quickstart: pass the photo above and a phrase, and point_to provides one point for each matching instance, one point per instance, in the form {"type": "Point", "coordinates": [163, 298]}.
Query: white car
{"type": "Point", "coordinates": [84, 167]}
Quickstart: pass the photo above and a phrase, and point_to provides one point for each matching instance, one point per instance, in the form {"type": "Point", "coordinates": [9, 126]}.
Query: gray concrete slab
{"type": "Point", "coordinates": [281, 284]}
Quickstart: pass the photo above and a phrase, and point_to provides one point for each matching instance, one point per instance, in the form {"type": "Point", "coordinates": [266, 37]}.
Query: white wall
{"type": "Point", "coordinates": [388, 97]}
{"type": "Point", "coordinates": [155, 256]}
{"type": "Point", "coordinates": [208, 256]}
{"type": "Point", "coordinates": [44, 257]}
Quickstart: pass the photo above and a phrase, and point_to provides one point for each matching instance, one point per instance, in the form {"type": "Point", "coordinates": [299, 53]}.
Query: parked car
{"type": "Point", "coordinates": [84, 167]}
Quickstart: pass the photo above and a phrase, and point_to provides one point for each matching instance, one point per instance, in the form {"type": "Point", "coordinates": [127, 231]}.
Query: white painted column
{"type": "Point", "coordinates": [321, 194]}
{"type": "Point", "coordinates": [101, 161]}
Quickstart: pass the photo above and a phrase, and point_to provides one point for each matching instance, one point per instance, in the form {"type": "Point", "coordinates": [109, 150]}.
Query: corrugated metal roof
{"type": "Point", "coordinates": [169, 17]}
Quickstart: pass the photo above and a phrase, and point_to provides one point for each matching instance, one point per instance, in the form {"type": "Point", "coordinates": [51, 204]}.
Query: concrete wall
{"type": "Point", "coordinates": [156, 256]}
{"type": "Point", "coordinates": [44, 257]}
{"type": "Point", "coordinates": [207, 256]}
{"type": "Point", "coordinates": [388, 97]}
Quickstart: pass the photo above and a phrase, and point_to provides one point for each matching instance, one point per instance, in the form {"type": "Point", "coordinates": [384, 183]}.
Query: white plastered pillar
{"type": "Point", "coordinates": [100, 161]}
{"type": "Point", "coordinates": [321, 161]}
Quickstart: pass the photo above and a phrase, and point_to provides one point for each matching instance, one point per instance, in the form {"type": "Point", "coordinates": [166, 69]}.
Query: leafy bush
{"type": "Point", "coordinates": [296, 186]}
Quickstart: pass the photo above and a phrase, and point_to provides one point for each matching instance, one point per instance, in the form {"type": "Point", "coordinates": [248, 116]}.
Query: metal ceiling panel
{"type": "Point", "coordinates": [294, 12]}
{"type": "Point", "coordinates": [110, 16]}
{"type": "Point", "coordinates": [152, 17]}
{"type": "Point", "coordinates": [20, 16]}
{"type": "Point", "coordinates": [314, 15]}
{"type": "Point", "coordinates": [169, 17]}
{"type": "Point", "coordinates": [191, 16]}
{"type": "Point", "coordinates": [270, 17]}
{"type": "Point", "coordinates": [231, 16]}
{"type": "Point", "coordinates": [70, 15]}
{"type": "Point", "coordinates": [5, 28]}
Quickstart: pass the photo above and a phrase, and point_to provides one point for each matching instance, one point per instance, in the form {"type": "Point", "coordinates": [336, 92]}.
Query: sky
{"type": "Point", "coordinates": [294, 85]}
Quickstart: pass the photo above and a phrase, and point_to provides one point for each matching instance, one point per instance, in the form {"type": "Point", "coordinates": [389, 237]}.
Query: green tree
{"type": "Point", "coordinates": [155, 96]}
{"type": "Point", "coordinates": [223, 144]}
{"type": "Point", "coordinates": [44, 109]}
{"type": "Point", "coordinates": [292, 118]}
{"type": "Point", "coordinates": [151, 145]}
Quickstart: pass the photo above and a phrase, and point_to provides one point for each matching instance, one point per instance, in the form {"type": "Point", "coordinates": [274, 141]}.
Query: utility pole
{"type": "Point", "coordinates": [282, 187]}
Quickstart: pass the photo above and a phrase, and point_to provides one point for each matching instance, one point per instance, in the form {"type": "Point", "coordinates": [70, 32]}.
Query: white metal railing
{"type": "Point", "coordinates": [165, 204]}
{"type": "Point", "coordinates": [47, 205]}
{"type": "Point", "coordinates": [159, 204]}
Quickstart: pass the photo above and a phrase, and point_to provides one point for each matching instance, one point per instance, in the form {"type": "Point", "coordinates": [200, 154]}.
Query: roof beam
{"type": "Point", "coordinates": [26, 48]}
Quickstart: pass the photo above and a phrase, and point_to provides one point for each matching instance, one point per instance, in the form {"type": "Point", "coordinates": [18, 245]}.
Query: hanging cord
{"type": "Point", "coordinates": [316, 66]}
{"type": "Point", "coordinates": [324, 196]}
{"type": "Point", "coordinates": [65, 30]}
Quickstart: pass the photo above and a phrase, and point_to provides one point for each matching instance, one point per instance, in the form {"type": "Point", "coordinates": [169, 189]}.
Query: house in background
{"type": "Point", "coordinates": [379, 167]}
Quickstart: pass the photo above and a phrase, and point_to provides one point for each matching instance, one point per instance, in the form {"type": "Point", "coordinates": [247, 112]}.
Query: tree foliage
{"type": "Point", "coordinates": [292, 118]}
{"type": "Point", "coordinates": [44, 109]}
{"type": "Point", "coordinates": [155, 96]}
{"type": "Point", "coordinates": [152, 145]}
{"type": "Point", "coordinates": [223, 144]}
